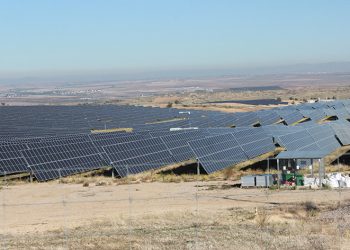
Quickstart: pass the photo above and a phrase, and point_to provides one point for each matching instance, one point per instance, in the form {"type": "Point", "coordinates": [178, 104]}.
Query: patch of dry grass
{"type": "Point", "coordinates": [98, 131]}
{"type": "Point", "coordinates": [338, 168]}
{"type": "Point", "coordinates": [262, 218]}
{"type": "Point", "coordinates": [167, 178]}
{"type": "Point", "coordinates": [311, 208]}
{"type": "Point", "coordinates": [235, 228]}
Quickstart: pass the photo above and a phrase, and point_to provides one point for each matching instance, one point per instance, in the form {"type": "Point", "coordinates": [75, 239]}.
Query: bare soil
{"type": "Point", "coordinates": [186, 215]}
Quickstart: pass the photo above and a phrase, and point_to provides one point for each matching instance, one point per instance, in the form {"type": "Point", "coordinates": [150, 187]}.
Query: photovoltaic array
{"type": "Point", "coordinates": [56, 141]}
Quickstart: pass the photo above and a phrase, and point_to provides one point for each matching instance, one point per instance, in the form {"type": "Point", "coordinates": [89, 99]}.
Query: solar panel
{"type": "Point", "coordinates": [138, 156]}
{"type": "Point", "coordinates": [315, 115]}
{"type": "Point", "coordinates": [258, 147]}
{"type": "Point", "coordinates": [250, 135]}
{"type": "Point", "coordinates": [112, 139]}
{"type": "Point", "coordinates": [296, 140]}
{"type": "Point", "coordinates": [328, 143]}
{"type": "Point", "coordinates": [342, 113]}
{"type": "Point", "coordinates": [342, 132]}
{"type": "Point", "coordinates": [58, 152]}
{"type": "Point", "coordinates": [164, 133]}
{"type": "Point", "coordinates": [324, 137]}
{"type": "Point", "coordinates": [329, 112]}
{"type": "Point", "coordinates": [219, 131]}
{"type": "Point", "coordinates": [254, 141]}
{"type": "Point", "coordinates": [291, 117]}
{"type": "Point", "coordinates": [57, 142]}
{"type": "Point", "coordinates": [222, 159]}
{"type": "Point", "coordinates": [178, 146]}
{"type": "Point", "coordinates": [268, 117]}
{"type": "Point", "coordinates": [68, 158]}
{"type": "Point", "coordinates": [11, 161]}
{"type": "Point", "coordinates": [301, 154]}
{"type": "Point", "coordinates": [245, 119]}
{"type": "Point", "coordinates": [218, 152]}
{"type": "Point", "coordinates": [56, 169]}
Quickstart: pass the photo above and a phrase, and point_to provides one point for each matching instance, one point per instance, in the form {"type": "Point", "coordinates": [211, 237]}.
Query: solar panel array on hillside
{"type": "Point", "coordinates": [55, 141]}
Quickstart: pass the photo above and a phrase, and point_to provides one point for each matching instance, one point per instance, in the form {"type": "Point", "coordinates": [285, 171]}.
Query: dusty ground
{"type": "Point", "coordinates": [168, 215]}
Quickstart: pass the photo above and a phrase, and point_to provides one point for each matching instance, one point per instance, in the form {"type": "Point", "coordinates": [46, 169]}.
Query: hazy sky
{"type": "Point", "coordinates": [150, 35]}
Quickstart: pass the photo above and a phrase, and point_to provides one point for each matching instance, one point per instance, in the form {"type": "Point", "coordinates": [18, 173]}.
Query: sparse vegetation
{"type": "Point", "coordinates": [311, 208]}
{"type": "Point", "coordinates": [233, 228]}
{"type": "Point", "coordinates": [262, 218]}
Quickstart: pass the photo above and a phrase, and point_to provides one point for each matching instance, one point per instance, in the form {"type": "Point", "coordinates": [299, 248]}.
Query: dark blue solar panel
{"type": "Point", "coordinates": [138, 156]}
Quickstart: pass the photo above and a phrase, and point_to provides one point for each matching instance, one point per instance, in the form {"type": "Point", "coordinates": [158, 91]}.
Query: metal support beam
{"type": "Point", "coordinates": [323, 168]}
{"type": "Point", "coordinates": [278, 173]}
{"type": "Point", "coordinates": [31, 176]}
{"type": "Point", "coordinates": [320, 173]}
{"type": "Point", "coordinates": [198, 168]}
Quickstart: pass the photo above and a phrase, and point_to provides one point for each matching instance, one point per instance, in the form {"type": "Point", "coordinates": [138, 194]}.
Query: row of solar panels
{"type": "Point", "coordinates": [61, 120]}
{"type": "Point", "coordinates": [127, 153]}
{"type": "Point", "coordinates": [53, 157]}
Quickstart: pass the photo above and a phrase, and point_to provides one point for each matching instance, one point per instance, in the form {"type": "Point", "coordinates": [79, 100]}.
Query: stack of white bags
{"type": "Point", "coordinates": [333, 180]}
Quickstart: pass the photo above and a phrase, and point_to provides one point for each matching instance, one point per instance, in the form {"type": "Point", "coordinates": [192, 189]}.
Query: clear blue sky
{"type": "Point", "coordinates": [152, 35]}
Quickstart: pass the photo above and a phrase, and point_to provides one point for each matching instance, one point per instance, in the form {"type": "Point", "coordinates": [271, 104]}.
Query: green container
{"type": "Point", "coordinates": [299, 179]}
{"type": "Point", "coordinates": [287, 177]}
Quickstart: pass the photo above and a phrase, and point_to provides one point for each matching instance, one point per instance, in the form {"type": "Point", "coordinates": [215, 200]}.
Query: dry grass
{"type": "Point", "coordinates": [334, 155]}
{"type": "Point", "coordinates": [338, 168]}
{"type": "Point", "coordinates": [311, 208]}
{"type": "Point", "coordinates": [234, 228]}
{"type": "Point", "coordinates": [167, 178]}
{"type": "Point", "coordinates": [262, 218]}
{"type": "Point", "coordinates": [198, 100]}
{"type": "Point", "coordinates": [98, 131]}
{"type": "Point", "coordinates": [87, 180]}
{"type": "Point", "coordinates": [165, 121]}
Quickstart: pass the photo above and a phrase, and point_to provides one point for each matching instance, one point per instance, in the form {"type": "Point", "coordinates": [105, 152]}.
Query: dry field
{"type": "Point", "coordinates": [108, 214]}
{"type": "Point", "coordinates": [188, 92]}
{"type": "Point", "coordinates": [199, 100]}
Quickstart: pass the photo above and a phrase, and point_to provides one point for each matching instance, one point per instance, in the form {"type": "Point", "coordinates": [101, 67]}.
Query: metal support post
{"type": "Point", "coordinates": [278, 173]}
{"type": "Point", "coordinates": [320, 173]}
